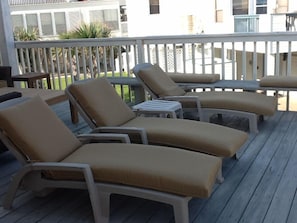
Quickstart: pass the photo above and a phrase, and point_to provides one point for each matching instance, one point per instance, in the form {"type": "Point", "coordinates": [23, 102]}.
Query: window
{"type": "Point", "coordinates": [111, 18]}
{"type": "Point", "coordinates": [46, 24]}
{"type": "Point", "coordinates": [74, 19]}
{"type": "Point", "coordinates": [154, 7]}
{"type": "Point", "coordinates": [107, 16]}
{"type": "Point", "coordinates": [123, 12]}
{"type": "Point", "coordinates": [17, 22]}
{"type": "Point", "coordinates": [261, 7]}
{"type": "Point", "coordinates": [60, 22]}
{"type": "Point", "coordinates": [240, 7]}
{"type": "Point", "coordinates": [32, 22]}
{"type": "Point", "coordinates": [219, 10]}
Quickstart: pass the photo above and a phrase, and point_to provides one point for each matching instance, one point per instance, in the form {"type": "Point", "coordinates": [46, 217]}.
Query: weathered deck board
{"type": "Point", "coordinates": [214, 206]}
{"type": "Point", "coordinates": [275, 166]}
{"type": "Point", "coordinates": [259, 187]}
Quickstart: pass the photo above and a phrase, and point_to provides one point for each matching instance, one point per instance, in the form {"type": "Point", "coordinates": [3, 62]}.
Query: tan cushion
{"type": "Point", "coordinates": [241, 101]}
{"type": "Point", "coordinates": [101, 102]}
{"type": "Point", "coordinates": [159, 82]}
{"type": "Point", "coordinates": [279, 81]}
{"type": "Point", "coordinates": [198, 136]}
{"type": "Point", "coordinates": [42, 136]}
{"type": "Point", "coordinates": [161, 168]}
{"type": "Point", "coordinates": [194, 78]}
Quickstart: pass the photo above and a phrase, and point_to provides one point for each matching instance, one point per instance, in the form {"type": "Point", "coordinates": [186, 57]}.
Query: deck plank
{"type": "Point", "coordinates": [265, 191]}
{"type": "Point", "coordinates": [216, 203]}
{"type": "Point", "coordinates": [252, 187]}
{"type": "Point", "coordinates": [286, 190]}
{"type": "Point", "coordinates": [259, 187]}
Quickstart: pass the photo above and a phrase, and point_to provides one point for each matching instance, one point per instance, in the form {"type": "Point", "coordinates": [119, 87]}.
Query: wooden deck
{"type": "Point", "coordinates": [259, 187]}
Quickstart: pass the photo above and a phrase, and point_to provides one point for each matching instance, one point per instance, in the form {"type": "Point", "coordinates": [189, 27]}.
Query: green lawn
{"type": "Point", "coordinates": [62, 85]}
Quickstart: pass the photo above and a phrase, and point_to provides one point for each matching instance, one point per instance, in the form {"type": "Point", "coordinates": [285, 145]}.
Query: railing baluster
{"type": "Point", "coordinates": [157, 53]}
{"type": "Point", "coordinates": [289, 59]}
{"type": "Point", "coordinates": [203, 57]}
{"type": "Point", "coordinates": [90, 61]}
{"type": "Point", "coordinates": [223, 60]}
{"type": "Point", "coordinates": [233, 59]}
{"type": "Point", "coordinates": [213, 62]}
{"type": "Point", "coordinates": [277, 59]}
{"type": "Point", "coordinates": [243, 61]}
{"type": "Point", "coordinates": [193, 53]}
{"type": "Point", "coordinates": [165, 57]}
{"type": "Point", "coordinates": [77, 65]}
{"type": "Point", "coordinates": [174, 58]}
{"type": "Point", "coordinates": [184, 62]}
{"type": "Point", "coordinates": [255, 62]}
{"type": "Point", "coordinates": [265, 59]}
{"type": "Point", "coordinates": [58, 67]}
{"type": "Point", "coordinates": [111, 60]}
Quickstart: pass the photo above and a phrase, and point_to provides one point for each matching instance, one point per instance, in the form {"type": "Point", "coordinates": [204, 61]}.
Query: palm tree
{"type": "Point", "coordinates": [92, 30]}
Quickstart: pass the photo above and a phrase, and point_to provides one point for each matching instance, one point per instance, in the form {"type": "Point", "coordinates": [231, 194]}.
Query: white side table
{"type": "Point", "coordinates": [171, 108]}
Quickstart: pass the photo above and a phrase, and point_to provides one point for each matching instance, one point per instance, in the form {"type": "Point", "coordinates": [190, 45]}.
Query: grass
{"type": "Point", "coordinates": [61, 85]}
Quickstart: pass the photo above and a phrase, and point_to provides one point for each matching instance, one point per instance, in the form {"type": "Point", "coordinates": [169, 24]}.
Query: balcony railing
{"type": "Point", "coordinates": [247, 56]}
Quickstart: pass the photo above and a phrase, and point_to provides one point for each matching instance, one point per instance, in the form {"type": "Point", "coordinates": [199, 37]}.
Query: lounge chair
{"type": "Point", "coordinates": [245, 104]}
{"type": "Point", "coordinates": [53, 157]}
{"type": "Point", "coordinates": [104, 110]}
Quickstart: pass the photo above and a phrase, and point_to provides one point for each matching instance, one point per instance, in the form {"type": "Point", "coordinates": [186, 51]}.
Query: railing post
{"type": "Point", "coordinates": [140, 51]}
{"type": "Point", "coordinates": [7, 48]}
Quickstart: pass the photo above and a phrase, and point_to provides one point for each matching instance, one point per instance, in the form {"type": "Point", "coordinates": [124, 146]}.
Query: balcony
{"type": "Point", "coordinates": [260, 186]}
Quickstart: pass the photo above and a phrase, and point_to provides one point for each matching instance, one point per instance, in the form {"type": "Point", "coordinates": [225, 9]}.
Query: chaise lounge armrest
{"type": "Point", "coordinates": [103, 137]}
{"type": "Point", "coordinates": [124, 130]}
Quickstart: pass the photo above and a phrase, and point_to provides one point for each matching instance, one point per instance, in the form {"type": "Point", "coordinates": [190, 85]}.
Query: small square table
{"type": "Point", "coordinates": [32, 77]}
{"type": "Point", "coordinates": [172, 108]}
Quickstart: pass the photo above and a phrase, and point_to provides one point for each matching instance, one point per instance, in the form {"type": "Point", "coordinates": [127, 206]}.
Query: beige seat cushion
{"type": "Point", "coordinates": [279, 81]}
{"type": "Point", "coordinates": [159, 82]}
{"type": "Point", "coordinates": [198, 136]}
{"type": "Point", "coordinates": [241, 101]}
{"type": "Point", "coordinates": [101, 102]}
{"type": "Point", "coordinates": [166, 169]}
{"type": "Point", "coordinates": [194, 78]}
{"type": "Point", "coordinates": [51, 143]}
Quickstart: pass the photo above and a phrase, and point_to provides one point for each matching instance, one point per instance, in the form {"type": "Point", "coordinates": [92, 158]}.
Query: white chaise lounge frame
{"type": "Point", "coordinates": [30, 177]}
{"type": "Point", "coordinates": [204, 114]}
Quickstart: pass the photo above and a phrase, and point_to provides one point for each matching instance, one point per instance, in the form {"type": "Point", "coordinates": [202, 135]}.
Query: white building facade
{"type": "Point", "coordinates": [167, 17]}
{"type": "Point", "coordinates": [56, 17]}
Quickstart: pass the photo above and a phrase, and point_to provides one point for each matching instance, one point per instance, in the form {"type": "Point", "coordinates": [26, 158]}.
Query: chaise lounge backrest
{"type": "Point", "coordinates": [160, 83]}
{"type": "Point", "coordinates": [36, 143]}
{"type": "Point", "coordinates": [106, 111]}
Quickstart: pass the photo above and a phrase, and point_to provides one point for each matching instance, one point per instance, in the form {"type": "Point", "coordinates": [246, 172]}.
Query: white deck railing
{"type": "Point", "coordinates": [246, 56]}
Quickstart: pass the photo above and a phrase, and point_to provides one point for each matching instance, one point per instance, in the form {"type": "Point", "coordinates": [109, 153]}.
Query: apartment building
{"type": "Point", "coordinates": [54, 17]}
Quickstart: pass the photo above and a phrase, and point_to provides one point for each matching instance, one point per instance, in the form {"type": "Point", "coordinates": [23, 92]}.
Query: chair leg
{"type": "Point", "coordinates": [104, 198]}
{"type": "Point", "coordinates": [14, 185]}
{"type": "Point", "coordinates": [181, 211]}
{"type": "Point", "coordinates": [220, 179]}
{"type": "Point", "coordinates": [253, 124]}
